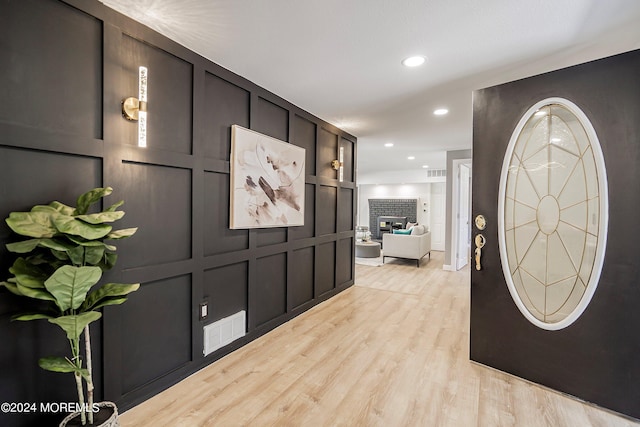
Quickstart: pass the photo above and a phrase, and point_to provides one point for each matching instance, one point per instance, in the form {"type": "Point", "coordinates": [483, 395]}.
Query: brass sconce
{"type": "Point", "coordinates": [338, 165]}
{"type": "Point", "coordinates": [135, 109]}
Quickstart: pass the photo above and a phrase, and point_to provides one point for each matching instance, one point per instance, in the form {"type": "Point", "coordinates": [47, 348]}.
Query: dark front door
{"type": "Point", "coordinates": [556, 162]}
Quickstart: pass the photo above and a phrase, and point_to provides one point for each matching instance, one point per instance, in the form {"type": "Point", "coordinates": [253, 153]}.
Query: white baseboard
{"type": "Point", "coordinates": [448, 268]}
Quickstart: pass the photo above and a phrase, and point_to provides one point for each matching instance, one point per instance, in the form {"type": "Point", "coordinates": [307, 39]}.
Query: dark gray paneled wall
{"type": "Point", "coordinates": [66, 66]}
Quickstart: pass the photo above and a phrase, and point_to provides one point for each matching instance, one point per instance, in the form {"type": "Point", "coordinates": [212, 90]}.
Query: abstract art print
{"type": "Point", "coordinates": [267, 181]}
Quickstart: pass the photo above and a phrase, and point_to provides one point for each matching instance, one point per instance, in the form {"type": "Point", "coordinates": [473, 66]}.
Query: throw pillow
{"type": "Point", "coordinates": [401, 231]}
{"type": "Point", "coordinates": [417, 230]}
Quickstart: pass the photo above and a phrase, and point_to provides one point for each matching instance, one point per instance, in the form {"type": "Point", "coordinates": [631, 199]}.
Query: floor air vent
{"type": "Point", "coordinates": [224, 331]}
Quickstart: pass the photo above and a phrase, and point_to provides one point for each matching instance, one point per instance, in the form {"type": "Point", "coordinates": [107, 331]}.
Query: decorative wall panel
{"type": "Point", "coordinates": [51, 78]}
{"type": "Point", "coordinates": [344, 261]}
{"type": "Point", "coordinates": [304, 135]}
{"type": "Point", "coordinates": [300, 289]}
{"type": "Point", "coordinates": [218, 237]}
{"type": "Point", "coordinates": [164, 330]}
{"type": "Point", "coordinates": [48, 176]}
{"type": "Point", "coordinates": [345, 213]}
{"type": "Point", "coordinates": [170, 105]}
{"type": "Point", "coordinates": [326, 210]}
{"type": "Point", "coordinates": [271, 119]}
{"type": "Point", "coordinates": [308, 229]}
{"type": "Point", "coordinates": [158, 201]}
{"type": "Point", "coordinates": [325, 276]}
{"type": "Point", "coordinates": [327, 151]}
{"type": "Point", "coordinates": [349, 160]}
{"type": "Point", "coordinates": [225, 288]}
{"type": "Point", "coordinates": [67, 65]}
{"type": "Point", "coordinates": [268, 299]}
{"type": "Point", "coordinates": [226, 105]}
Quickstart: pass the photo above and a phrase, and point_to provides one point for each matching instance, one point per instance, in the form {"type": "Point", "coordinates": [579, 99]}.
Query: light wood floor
{"type": "Point", "coordinates": [391, 351]}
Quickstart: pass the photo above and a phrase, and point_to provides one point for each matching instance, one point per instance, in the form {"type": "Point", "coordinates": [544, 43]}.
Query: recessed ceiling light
{"type": "Point", "coordinates": [411, 157]}
{"type": "Point", "coordinates": [425, 166]}
{"type": "Point", "coordinates": [413, 61]}
{"type": "Point", "coordinates": [440, 111]}
{"type": "Point", "coordinates": [389, 144]}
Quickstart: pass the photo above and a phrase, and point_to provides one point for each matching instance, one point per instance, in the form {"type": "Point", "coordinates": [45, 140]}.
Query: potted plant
{"type": "Point", "coordinates": [58, 267]}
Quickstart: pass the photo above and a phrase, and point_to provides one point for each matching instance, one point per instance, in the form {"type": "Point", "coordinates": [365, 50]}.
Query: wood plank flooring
{"type": "Point", "coordinates": [393, 350]}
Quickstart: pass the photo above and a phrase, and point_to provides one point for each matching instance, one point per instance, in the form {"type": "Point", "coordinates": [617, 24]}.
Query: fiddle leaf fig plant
{"type": "Point", "coordinates": [60, 265]}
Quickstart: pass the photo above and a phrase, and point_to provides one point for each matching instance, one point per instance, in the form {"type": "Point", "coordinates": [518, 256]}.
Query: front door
{"type": "Point", "coordinates": [556, 298]}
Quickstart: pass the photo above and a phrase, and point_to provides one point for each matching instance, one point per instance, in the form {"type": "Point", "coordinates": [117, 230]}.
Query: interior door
{"type": "Point", "coordinates": [555, 299]}
{"type": "Point", "coordinates": [438, 216]}
{"type": "Point", "coordinates": [462, 246]}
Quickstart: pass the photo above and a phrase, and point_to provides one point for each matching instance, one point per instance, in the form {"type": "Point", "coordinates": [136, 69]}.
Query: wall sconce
{"type": "Point", "coordinates": [135, 109]}
{"type": "Point", "coordinates": [338, 165]}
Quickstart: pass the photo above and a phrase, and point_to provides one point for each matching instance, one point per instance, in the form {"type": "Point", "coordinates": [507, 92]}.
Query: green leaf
{"type": "Point", "coordinates": [121, 234]}
{"type": "Point", "coordinates": [30, 316]}
{"type": "Point", "coordinates": [23, 267]}
{"type": "Point", "coordinates": [12, 287]}
{"type": "Point", "coordinates": [84, 242]}
{"type": "Point", "coordinates": [102, 217]}
{"type": "Point", "coordinates": [60, 364]}
{"type": "Point", "coordinates": [23, 247]}
{"type": "Point", "coordinates": [30, 282]}
{"type": "Point", "coordinates": [109, 261]}
{"type": "Point", "coordinates": [69, 285]}
{"type": "Point", "coordinates": [93, 255]}
{"type": "Point", "coordinates": [90, 197]}
{"type": "Point", "coordinates": [108, 290]}
{"type": "Point", "coordinates": [114, 206]}
{"type": "Point", "coordinates": [62, 208]}
{"type": "Point", "coordinates": [56, 244]}
{"type": "Point", "coordinates": [40, 294]}
{"type": "Point", "coordinates": [76, 255]}
{"type": "Point", "coordinates": [45, 209]}
{"type": "Point", "coordinates": [110, 301]}
{"type": "Point", "coordinates": [27, 274]}
{"type": "Point", "coordinates": [62, 256]}
{"type": "Point", "coordinates": [32, 224]}
{"type": "Point", "coordinates": [70, 225]}
{"type": "Point", "coordinates": [73, 325]}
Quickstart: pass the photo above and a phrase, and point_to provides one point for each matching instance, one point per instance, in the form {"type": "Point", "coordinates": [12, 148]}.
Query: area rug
{"type": "Point", "coordinates": [371, 262]}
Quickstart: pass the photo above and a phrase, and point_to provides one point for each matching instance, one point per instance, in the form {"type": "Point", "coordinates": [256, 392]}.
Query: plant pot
{"type": "Point", "coordinates": [107, 416]}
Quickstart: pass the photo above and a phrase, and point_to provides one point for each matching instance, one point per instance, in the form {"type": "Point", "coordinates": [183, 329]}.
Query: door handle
{"type": "Point", "coordinates": [480, 241]}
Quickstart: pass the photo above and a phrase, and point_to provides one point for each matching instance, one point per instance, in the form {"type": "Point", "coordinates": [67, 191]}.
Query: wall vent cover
{"type": "Point", "coordinates": [224, 331]}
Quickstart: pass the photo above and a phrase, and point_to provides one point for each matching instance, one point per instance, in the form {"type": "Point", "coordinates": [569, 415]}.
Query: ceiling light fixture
{"type": "Point", "coordinates": [425, 166]}
{"type": "Point", "coordinates": [411, 157]}
{"type": "Point", "coordinates": [440, 111]}
{"type": "Point", "coordinates": [414, 61]}
{"type": "Point", "coordinates": [389, 144]}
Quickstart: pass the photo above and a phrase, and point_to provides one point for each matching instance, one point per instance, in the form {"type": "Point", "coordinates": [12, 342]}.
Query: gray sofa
{"type": "Point", "coordinates": [412, 246]}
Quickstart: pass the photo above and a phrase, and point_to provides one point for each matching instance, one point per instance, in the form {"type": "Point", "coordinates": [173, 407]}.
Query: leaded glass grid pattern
{"type": "Point", "coordinates": [551, 226]}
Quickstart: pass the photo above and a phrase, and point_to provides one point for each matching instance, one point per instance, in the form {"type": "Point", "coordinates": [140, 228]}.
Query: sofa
{"type": "Point", "coordinates": [413, 243]}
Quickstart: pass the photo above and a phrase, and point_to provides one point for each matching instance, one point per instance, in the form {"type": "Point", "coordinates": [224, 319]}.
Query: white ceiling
{"type": "Point", "coordinates": [340, 60]}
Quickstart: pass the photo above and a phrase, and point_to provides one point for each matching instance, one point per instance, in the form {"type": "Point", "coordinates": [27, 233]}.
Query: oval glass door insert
{"type": "Point", "coordinates": [553, 213]}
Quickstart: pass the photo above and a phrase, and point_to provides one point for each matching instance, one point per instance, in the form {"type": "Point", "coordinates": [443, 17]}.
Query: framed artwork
{"type": "Point", "coordinates": [267, 181]}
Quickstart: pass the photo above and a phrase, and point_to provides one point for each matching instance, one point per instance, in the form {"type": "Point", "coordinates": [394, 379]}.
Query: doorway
{"type": "Point", "coordinates": [461, 213]}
